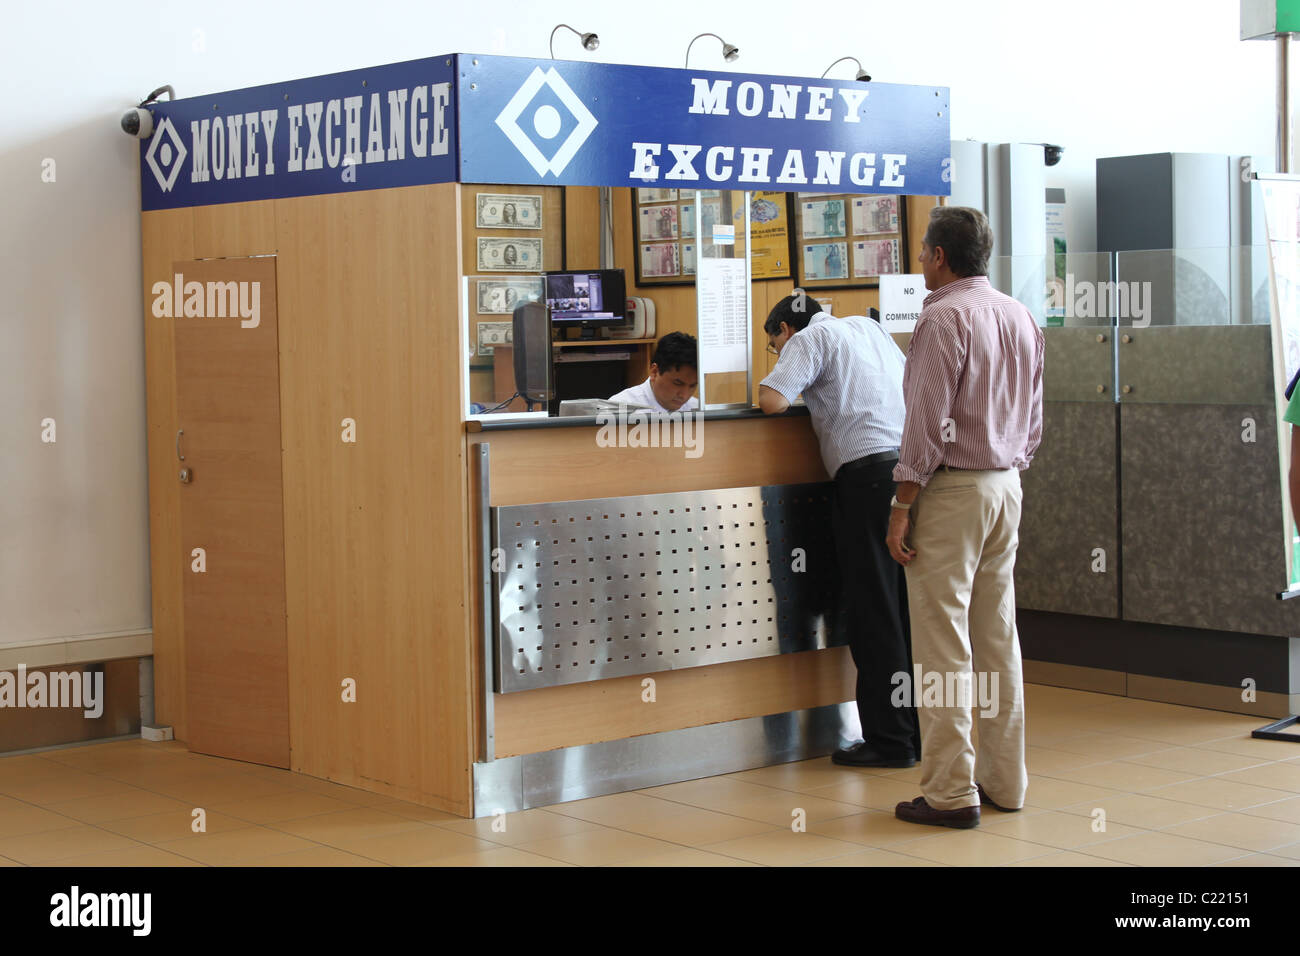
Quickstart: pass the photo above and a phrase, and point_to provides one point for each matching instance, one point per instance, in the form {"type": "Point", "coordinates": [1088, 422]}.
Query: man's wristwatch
{"type": "Point", "coordinates": [895, 503]}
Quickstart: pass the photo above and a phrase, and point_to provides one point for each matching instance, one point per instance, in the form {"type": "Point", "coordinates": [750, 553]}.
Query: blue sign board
{"type": "Point", "coordinates": [595, 124]}
{"type": "Point", "coordinates": [376, 128]}
{"type": "Point", "coordinates": [491, 119]}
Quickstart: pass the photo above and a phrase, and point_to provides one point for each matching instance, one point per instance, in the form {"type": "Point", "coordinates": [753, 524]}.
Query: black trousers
{"type": "Point", "coordinates": [873, 605]}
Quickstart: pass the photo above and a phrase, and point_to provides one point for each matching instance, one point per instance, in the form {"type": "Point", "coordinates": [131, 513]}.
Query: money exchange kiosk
{"type": "Point", "coordinates": [399, 595]}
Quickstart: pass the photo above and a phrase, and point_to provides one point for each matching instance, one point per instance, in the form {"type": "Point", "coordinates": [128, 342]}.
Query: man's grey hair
{"type": "Point", "coordinates": [964, 236]}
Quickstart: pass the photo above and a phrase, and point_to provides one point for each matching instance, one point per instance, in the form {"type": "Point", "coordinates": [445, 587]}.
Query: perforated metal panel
{"type": "Point", "coordinates": [614, 586]}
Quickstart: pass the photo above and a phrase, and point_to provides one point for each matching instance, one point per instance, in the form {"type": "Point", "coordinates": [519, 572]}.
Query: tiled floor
{"type": "Point", "coordinates": [1113, 782]}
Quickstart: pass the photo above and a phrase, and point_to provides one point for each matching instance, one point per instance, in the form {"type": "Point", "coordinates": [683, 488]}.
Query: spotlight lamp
{"type": "Point", "coordinates": [862, 77]}
{"type": "Point", "coordinates": [589, 40]}
{"type": "Point", "coordinates": [729, 53]}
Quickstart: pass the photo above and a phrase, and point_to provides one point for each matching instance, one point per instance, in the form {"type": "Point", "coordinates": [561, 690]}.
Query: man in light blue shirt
{"type": "Point", "coordinates": [850, 373]}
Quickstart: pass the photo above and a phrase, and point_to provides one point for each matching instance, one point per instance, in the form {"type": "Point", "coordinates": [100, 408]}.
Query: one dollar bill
{"type": "Point", "coordinates": [509, 255]}
{"type": "Point", "coordinates": [508, 212]}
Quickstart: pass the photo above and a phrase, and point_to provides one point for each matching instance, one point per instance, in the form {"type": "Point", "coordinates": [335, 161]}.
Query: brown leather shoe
{"type": "Point", "coordinates": [918, 811]}
{"type": "Point", "coordinates": [987, 800]}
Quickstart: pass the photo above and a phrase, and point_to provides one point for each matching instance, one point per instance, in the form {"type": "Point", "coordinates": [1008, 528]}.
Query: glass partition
{"type": "Point", "coordinates": [723, 295]}
{"type": "Point", "coordinates": [487, 312]}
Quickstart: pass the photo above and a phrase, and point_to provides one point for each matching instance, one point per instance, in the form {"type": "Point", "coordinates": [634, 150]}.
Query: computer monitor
{"type": "Point", "coordinates": [587, 299]}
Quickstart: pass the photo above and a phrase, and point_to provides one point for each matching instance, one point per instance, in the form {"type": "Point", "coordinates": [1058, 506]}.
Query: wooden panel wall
{"type": "Point", "coordinates": [375, 532]}
{"type": "Point", "coordinates": [166, 235]}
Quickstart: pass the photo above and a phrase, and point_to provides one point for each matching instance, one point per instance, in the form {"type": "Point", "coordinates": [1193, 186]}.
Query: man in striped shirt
{"type": "Point", "coordinates": [850, 374]}
{"type": "Point", "coordinates": [974, 391]}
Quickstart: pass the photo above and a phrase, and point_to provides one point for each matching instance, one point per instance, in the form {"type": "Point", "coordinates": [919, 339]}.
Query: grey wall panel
{"type": "Point", "coordinates": [1075, 363]}
{"type": "Point", "coordinates": [1202, 542]}
{"type": "Point", "coordinates": [1201, 364]}
{"type": "Point", "coordinates": [1069, 510]}
{"type": "Point", "coordinates": [968, 174]}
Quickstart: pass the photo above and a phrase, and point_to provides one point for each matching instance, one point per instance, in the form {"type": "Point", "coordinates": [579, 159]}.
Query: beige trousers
{"type": "Point", "coordinates": [961, 599]}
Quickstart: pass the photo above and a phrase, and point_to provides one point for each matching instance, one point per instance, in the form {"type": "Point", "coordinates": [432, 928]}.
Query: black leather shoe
{"type": "Point", "coordinates": [988, 801]}
{"type": "Point", "coordinates": [864, 755]}
{"type": "Point", "coordinates": [918, 811]}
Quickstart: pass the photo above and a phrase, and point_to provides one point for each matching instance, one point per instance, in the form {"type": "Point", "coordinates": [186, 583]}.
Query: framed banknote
{"type": "Point", "coordinates": [497, 254]}
{"type": "Point", "coordinates": [849, 240]}
{"type": "Point", "coordinates": [718, 216]}
{"type": "Point", "coordinates": [510, 211]}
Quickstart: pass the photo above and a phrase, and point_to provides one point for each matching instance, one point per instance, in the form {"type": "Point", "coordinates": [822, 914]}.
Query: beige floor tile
{"type": "Point", "coordinates": [234, 847]}
{"type": "Point", "coordinates": [801, 776]}
{"type": "Point", "coordinates": [783, 848]}
{"type": "Point", "coordinates": [685, 857]}
{"type": "Point", "coordinates": [208, 790]}
{"type": "Point", "coordinates": [525, 826]}
{"type": "Point", "coordinates": [315, 856]}
{"type": "Point", "coordinates": [1163, 849]}
{"type": "Point", "coordinates": [5, 861]}
{"type": "Point", "coordinates": [129, 856]}
{"type": "Point", "coordinates": [1140, 810]}
{"type": "Point", "coordinates": [1283, 776]}
{"type": "Point", "coordinates": [876, 793]}
{"type": "Point", "coordinates": [872, 828]}
{"type": "Point", "coordinates": [600, 847]}
{"type": "Point", "coordinates": [337, 791]}
{"type": "Point", "coordinates": [171, 825]}
{"type": "Point", "coordinates": [1219, 793]}
{"type": "Point", "coordinates": [968, 847]}
{"type": "Point", "coordinates": [1067, 859]}
{"type": "Point", "coordinates": [1047, 793]}
{"type": "Point", "coordinates": [27, 765]}
{"type": "Point", "coordinates": [1291, 852]}
{"type": "Point", "coordinates": [1258, 859]}
{"type": "Point", "coordinates": [290, 805]}
{"type": "Point", "coordinates": [61, 787]}
{"type": "Point", "coordinates": [18, 818]}
{"type": "Point", "coordinates": [53, 845]}
{"type": "Point", "coordinates": [1109, 746]}
{"type": "Point", "coordinates": [348, 826]}
{"type": "Point", "coordinates": [1288, 810]}
{"type": "Point", "coordinates": [426, 846]}
{"type": "Point", "coordinates": [414, 811]}
{"type": "Point", "coordinates": [711, 793]}
{"type": "Point", "coordinates": [1195, 760]}
{"type": "Point", "coordinates": [117, 806]}
{"type": "Point", "coordinates": [692, 826]}
{"type": "Point", "coordinates": [1257, 834]}
{"type": "Point", "coordinates": [784, 807]}
{"type": "Point", "coordinates": [875, 858]}
{"type": "Point", "coordinates": [622, 810]}
{"type": "Point", "coordinates": [1045, 761]}
{"type": "Point", "coordinates": [1248, 746]}
{"type": "Point", "coordinates": [1063, 831]}
{"type": "Point", "coordinates": [1122, 775]}
{"type": "Point", "coordinates": [500, 856]}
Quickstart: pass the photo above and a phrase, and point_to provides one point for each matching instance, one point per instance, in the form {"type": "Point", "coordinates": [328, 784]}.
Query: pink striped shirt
{"type": "Point", "coordinates": [973, 383]}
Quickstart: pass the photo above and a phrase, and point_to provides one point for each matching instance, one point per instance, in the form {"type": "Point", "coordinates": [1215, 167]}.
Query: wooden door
{"type": "Point", "coordinates": [228, 406]}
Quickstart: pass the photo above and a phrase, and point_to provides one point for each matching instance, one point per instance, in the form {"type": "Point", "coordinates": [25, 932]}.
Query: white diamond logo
{"type": "Point", "coordinates": [547, 120]}
{"type": "Point", "coordinates": [167, 142]}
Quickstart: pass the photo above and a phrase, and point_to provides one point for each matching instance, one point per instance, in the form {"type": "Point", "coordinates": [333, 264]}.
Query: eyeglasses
{"type": "Point", "coordinates": [772, 349]}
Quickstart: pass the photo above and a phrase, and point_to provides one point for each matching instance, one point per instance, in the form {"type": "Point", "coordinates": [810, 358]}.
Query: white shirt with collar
{"type": "Point", "coordinates": [644, 395]}
{"type": "Point", "coordinates": [850, 373]}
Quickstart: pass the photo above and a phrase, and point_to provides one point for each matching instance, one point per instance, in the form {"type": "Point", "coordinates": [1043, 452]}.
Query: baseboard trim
{"type": "Point", "coordinates": [81, 649]}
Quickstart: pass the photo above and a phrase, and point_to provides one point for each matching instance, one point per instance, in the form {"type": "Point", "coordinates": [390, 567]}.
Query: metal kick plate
{"type": "Point", "coordinates": [609, 587]}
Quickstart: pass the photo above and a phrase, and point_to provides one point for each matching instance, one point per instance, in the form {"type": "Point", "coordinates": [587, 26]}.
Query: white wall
{"type": "Point", "coordinates": [1103, 78]}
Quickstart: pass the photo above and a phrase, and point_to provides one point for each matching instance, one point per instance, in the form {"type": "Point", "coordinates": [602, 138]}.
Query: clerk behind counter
{"type": "Point", "coordinates": [674, 373]}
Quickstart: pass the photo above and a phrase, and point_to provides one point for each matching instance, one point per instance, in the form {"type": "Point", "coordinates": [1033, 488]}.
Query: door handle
{"type": "Point", "coordinates": [179, 433]}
